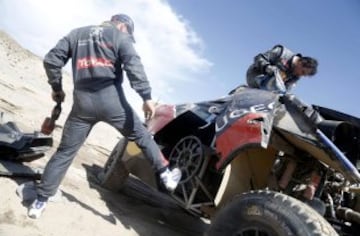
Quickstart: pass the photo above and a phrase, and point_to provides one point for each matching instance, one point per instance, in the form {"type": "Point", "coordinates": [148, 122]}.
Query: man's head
{"type": "Point", "coordinates": [125, 20]}
{"type": "Point", "coordinates": [305, 66]}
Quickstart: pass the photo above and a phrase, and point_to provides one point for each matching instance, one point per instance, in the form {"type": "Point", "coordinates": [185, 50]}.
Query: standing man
{"type": "Point", "coordinates": [99, 55]}
{"type": "Point", "coordinates": [279, 69]}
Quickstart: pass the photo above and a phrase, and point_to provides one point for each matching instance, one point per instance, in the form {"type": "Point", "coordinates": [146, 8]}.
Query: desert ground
{"type": "Point", "coordinates": [82, 207]}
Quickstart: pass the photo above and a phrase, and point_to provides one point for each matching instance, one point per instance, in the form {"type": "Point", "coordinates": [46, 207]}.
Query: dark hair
{"type": "Point", "coordinates": [310, 63]}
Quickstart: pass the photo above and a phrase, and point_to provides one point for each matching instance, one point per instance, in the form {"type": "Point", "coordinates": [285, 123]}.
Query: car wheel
{"type": "Point", "coordinates": [268, 213]}
{"type": "Point", "coordinates": [115, 172]}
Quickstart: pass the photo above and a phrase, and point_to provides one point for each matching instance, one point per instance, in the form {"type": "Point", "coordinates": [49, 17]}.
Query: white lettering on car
{"type": "Point", "coordinates": [223, 121]}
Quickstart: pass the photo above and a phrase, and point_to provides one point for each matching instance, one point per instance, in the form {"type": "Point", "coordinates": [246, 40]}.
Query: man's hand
{"type": "Point", "coordinates": [58, 96]}
{"type": "Point", "coordinates": [149, 109]}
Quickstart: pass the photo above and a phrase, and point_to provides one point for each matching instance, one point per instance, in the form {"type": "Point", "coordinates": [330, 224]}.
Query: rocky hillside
{"type": "Point", "coordinates": [25, 95]}
{"type": "Point", "coordinates": [84, 208]}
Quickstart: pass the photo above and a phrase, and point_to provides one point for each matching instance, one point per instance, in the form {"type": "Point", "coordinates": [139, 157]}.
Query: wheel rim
{"type": "Point", "coordinates": [187, 155]}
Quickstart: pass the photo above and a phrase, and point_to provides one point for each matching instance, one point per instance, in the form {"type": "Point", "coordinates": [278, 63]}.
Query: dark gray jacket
{"type": "Point", "coordinates": [99, 55]}
{"type": "Point", "coordinates": [278, 56]}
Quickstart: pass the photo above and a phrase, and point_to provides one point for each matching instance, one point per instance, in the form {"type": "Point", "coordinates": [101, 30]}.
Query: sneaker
{"type": "Point", "coordinates": [171, 178]}
{"type": "Point", "coordinates": [36, 209]}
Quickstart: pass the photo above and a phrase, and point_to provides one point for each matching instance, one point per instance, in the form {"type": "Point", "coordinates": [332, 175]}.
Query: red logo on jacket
{"type": "Point", "coordinates": [88, 62]}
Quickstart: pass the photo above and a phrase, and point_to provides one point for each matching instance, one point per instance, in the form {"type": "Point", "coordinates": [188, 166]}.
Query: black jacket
{"type": "Point", "coordinates": [278, 56]}
{"type": "Point", "coordinates": [99, 55]}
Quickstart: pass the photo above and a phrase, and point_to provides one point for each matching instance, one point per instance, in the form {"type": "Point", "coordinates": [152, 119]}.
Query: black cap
{"type": "Point", "coordinates": [127, 21]}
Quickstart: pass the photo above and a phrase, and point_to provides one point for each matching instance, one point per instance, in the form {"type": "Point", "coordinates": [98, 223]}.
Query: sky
{"type": "Point", "coordinates": [195, 51]}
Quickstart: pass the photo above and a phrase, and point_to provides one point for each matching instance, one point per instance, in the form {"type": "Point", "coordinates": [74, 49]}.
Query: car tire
{"type": "Point", "coordinates": [268, 213]}
{"type": "Point", "coordinates": [115, 172]}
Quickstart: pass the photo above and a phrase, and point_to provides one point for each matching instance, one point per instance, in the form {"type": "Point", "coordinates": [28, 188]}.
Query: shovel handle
{"type": "Point", "coordinates": [56, 112]}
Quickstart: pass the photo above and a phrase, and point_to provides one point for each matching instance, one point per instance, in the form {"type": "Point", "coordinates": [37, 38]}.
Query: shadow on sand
{"type": "Point", "coordinates": [148, 206]}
